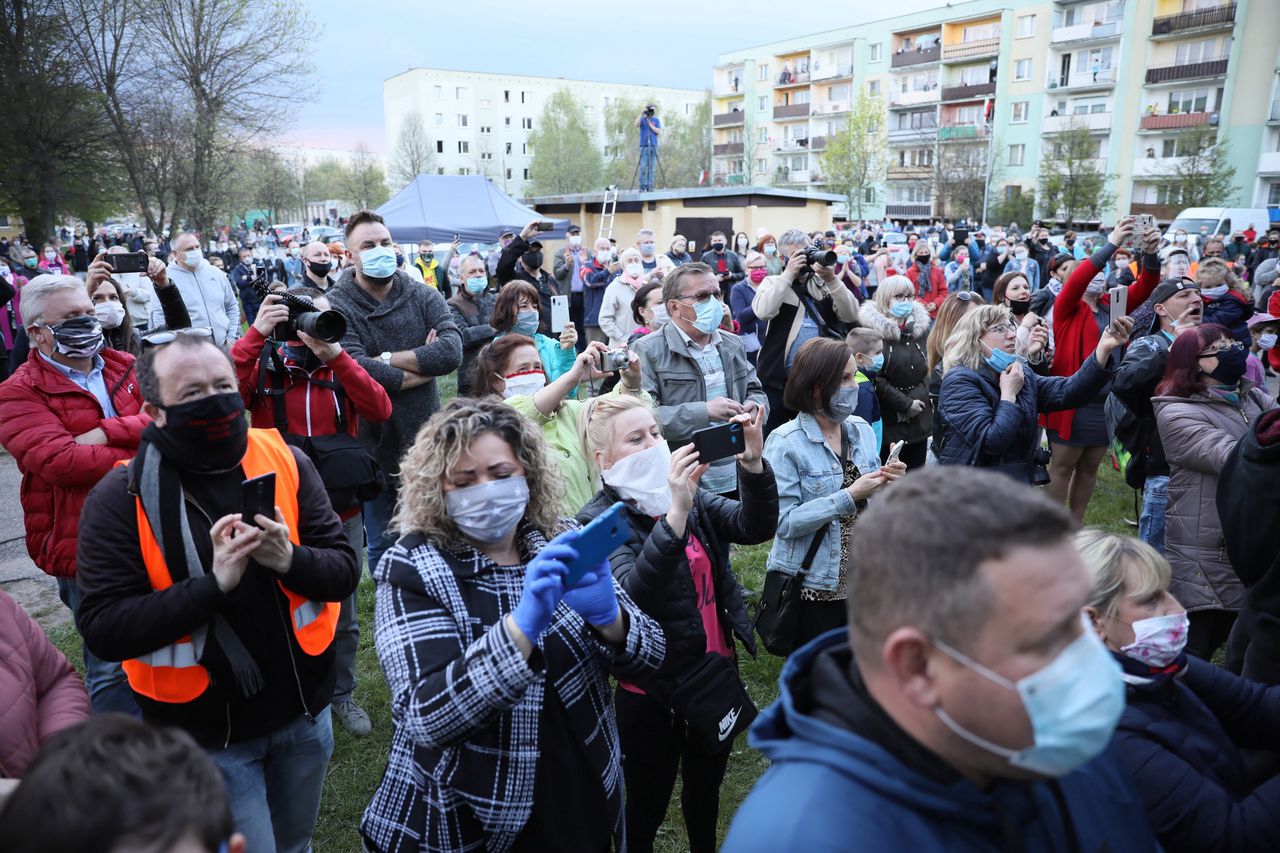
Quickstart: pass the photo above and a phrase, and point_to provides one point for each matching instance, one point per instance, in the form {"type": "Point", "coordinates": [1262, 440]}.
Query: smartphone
{"type": "Point", "coordinates": [258, 497]}
{"type": "Point", "coordinates": [895, 450]}
{"type": "Point", "coordinates": [961, 236]}
{"type": "Point", "coordinates": [1119, 302]}
{"type": "Point", "coordinates": [545, 226]}
{"type": "Point", "coordinates": [597, 540]}
{"type": "Point", "coordinates": [128, 262]}
{"type": "Point", "coordinates": [721, 441]}
{"type": "Point", "coordinates": [559, 313]}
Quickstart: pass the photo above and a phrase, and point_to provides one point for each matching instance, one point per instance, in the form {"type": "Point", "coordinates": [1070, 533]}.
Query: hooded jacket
{"type": "Point", "coordinates": [905, 375]}
{"type": "Point", "coordinates": [844, 776]}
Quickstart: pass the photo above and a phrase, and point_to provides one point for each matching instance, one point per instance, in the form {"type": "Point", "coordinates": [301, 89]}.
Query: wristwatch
{"type": "Point", "coordinates": [386, 358]}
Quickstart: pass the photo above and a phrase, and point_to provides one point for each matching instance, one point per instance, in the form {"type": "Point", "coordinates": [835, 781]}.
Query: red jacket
{"type": "Point", "coordinates": [1075, 331]}
{"type": "Point", "coordinates": [41, 413]}
{"type": "Point", "coordinates": [42, 692]}
{"type": "Point", "coordinates": [936, 293]}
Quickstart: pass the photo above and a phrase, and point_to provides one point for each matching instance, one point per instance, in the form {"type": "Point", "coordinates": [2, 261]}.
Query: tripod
{"type": "Point", "coordinates": [657, 167]}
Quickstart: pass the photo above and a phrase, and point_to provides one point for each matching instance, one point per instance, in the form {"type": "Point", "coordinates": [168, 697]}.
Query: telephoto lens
{"type": "Point", "coordinates": [819, 257]}
{"type": "Point", "coordinates": [328, 326]}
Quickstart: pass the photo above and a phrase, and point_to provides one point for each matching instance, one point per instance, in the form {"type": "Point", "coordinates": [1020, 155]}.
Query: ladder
{"type": "Point", "coordinates": [607, 210]}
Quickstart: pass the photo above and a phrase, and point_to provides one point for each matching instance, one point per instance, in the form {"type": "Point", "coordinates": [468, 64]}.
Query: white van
{"type": "Point", "coordinates": [1222, 220]}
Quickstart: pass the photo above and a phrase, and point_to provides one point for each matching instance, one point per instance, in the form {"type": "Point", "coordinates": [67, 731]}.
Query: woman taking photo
{"type": "Point", "coordinates": [1013, 291]}
{"type": "Point", "coordinates": [675, 568]}
{"type": "Point", "coordinates": [108, 297]}
{"type": "Point", "coordinates": [989, 402]}
{"type": "Point", "coordinates": [499, 676]}
{"type": "Point", "coordinates": [827, 464]}
{"type": "Point", "coordinates": [1203, 407]}
{"type": "Point", "coordinates": [902, 384]}
{"type": "Point", "coordinates": [516, 311]}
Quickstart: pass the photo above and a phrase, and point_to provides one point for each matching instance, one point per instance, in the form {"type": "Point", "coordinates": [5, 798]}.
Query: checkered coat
{"type": "Point", "coordinates": [466, 705]}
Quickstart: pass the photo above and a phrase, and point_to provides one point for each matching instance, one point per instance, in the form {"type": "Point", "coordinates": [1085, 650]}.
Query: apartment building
{"type": "Point", "coordinates": [480, 122]}
{"type": "Point", "coordinates": [991, 84]}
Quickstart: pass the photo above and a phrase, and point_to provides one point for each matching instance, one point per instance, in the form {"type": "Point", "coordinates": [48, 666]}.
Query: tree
{"type": "Point", "coordinates": [855, 158]}
{"type": "Point", "coordinates": [565, 156]}
{"type": "Point", "coordinates": [1072, 187]}
{"type": "Point", "coordinates": [686, 147]}
{"type": "Point", "coordinates": [275, 184]}
{"type": "Point", "coordinates": [1201, 173]}
{"type": "Point", "coordinates": [960, 179]}
{"type": "Point", "coordinates": [324, 181]}
{"type": "Point", "coordinates": [414, 152]}
{"type": "Point", "coordinates": [622, 142]}
{"type": "Point", "coordinates": [363, 182]}
{"type": "Point", "coordinates": [1019, 208]}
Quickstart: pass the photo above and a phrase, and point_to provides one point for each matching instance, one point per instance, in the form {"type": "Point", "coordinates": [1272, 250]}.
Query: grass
{"type": "Point", "coordinates": [358, 763]}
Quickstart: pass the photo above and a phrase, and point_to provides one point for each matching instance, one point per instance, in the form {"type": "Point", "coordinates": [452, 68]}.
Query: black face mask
{"type": "Point", "coordinates": [922, 260]}
{"type": "Point", "coordinates": [319, 269]}
{"type": "Point", "coordinates": [1019, 307]}
{"type": "Point", "coordinates": [718, 247]}
{"type": "Point", "coordinates": [980, 243]}
{"type": "Point", "coordinates": [205, 435]}
{"type": "Point", "coordinates": [1071, 242]}
{"type": "Point", "coordinates": [426, 256]}
{"type": "Point", "coordinates": [301, 355]}
{"type": "Point", "coordinates": [1232, 364]}
{"type": "Point", "coordinates": [533, 260]}
{"type": "Point", "coordinates": [399, 260]}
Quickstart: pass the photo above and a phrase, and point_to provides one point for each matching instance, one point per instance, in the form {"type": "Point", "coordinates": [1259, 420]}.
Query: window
{"type": "Point", "coordinates": [439, 170]}
{"type": "Point", "coordinates": [506, 121]}
{"type": "Point", "coordinates": [839, 93]}
{"type": "Point", "coordinates": [485, 104]}
{"type": "Point", "coordinates": [763, 103]}
{"type": "Point", "coordinates": [873, 88]}
{"type": "Point", "coordinates": [1012, 192]}
{"type": "Point", "coordinates": [438, 91]}
{"type": "Point", "coordinates": [526, 174]}
{"type": "Point", "coordinates": [486, 130]}
{"type": "Point", "coordinates": [688, 109]}
{"type": "Point", "coordinates": [980, 32]}
{"type": "Point", "coordinates": [524, 149]}
{"type": "Point", "coordinates": [508, 147]}
{"type": "Point", "coordinates": [763, 137]}
{"type": "Point", "coordinates": [876, 50]}
{"type": "Point", "coordinates": [486, 155]}
{"type": "Point", "coordinates": [461, 93]}
{"type": "Point", "coordinates": [439, 119]}
{"type": "Point", "coordinates": [1026, 26]}
{"type": "Point", "coordinates": [1273, 194]}
{"type": "Point", "coordinates": [1017, 154]}
{"type": "Point", "coordinates": [1188, 100]}
{"type": "Point", "coordinates": [869, 195]}
{"type": "Point", "coordinates": [914, 158]}
{"type": "Point", "coordinates": [462, 120]}
{"type": "Point", "coordinates": [967, 115]}
{"type": "Point", "coordinates": [1022, 69]}
{"type": "Point", "coordinates": [1189, 53]}
{"type": "Point", "coordinates": [508, 174]}
{"type": "Point", "coordinates": [439, 146]}
{"type": "Point", "coordinates": [506, 96]}
{"type": "Point", "coordinates": [762, 165]}
{"type": "Point", "coordinates": [463, 170]}
{"type": "Point", "coordinates": [1019, 112]}
{"type": "Point", "coordinates": [464, 147]}
{"type": "Point", "coordinates": [524, 97]}
{"type": "Point", "coordinates": [526, 123]}
{"type": "Point", "coordinates": [762, 71]}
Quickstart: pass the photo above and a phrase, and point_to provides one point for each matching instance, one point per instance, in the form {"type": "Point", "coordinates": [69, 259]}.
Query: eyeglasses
{"type": "Point", "coordinates": [167, 336]}
{"type": "Point", "coordinates": [699, 298]}
{"type": "Point", "coordinates": [1222, 347]}
{"type": "Point", "coordinates": [1002, 328]}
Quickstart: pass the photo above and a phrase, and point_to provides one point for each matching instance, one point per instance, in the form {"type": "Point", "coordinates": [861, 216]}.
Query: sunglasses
{"type": "Point", "coordinates": [167, 336]}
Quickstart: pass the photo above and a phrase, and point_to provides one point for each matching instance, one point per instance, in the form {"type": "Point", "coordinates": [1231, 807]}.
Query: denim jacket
{"type": "Point", "coordinates": [809, 475]}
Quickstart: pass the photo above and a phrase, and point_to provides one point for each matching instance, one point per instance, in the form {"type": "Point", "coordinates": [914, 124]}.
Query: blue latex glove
{"type": "Point", "coordinates": [594, 597]}
{"type": "Point", "coordinates": [543, 589]}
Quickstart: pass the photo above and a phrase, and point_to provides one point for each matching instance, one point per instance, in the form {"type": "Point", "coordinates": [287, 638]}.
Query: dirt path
{"type": "Point", "coordinates": [35, 591]}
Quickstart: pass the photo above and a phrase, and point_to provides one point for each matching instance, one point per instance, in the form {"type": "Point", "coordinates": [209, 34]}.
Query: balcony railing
{"type": "Point", "coordinates": [1269, 163]}
{"type": "Point", "coordinates": [1187, 71]}
{"type": "Point", "coordinates": [914, 97]}
{"type": "Point", "coordinates": [1083, 79]}
{"type": "Point", "coordinates": [727, 119]}
{"type": "Point", "coordinates": [791, 144]}
{"type": "Point", "coordinates": [799, 176]}
{"type": "Point", "coordinates": [1083, 32]}
{"type": "Point", "coordinates": [909, 210]}
{"type": "Point", "coordinates": [910, 173]}
{"type": "Point", "coordinates": [723, 148]}
{"type": "Point", "coordinates": [913, 134]}
{"type": "Point", "coordinates": [793, 78]}
{"type": "Point", "coordinates": [1091, 121]}
{"type": "Point", "coordinates": [1174, 121]}
{"type": "Point", "coordinates": [973, 90]}
{"type": "Point", "coordinates": [726, 88]}
{"type": "Point", "coordinates": [1162, 212]}
{"type": "Point", "coordinates": [961, 132]}
{"type": "Point", "coordinates": [1171, 24]}
{"type": "Point", "coordinates": [791, 111]}
{"type": "Point", "coordinates": [830, 72]}
{"type": "Point", "coordinates": [830, 107]}
{"type": "Point", "coordinates": [971, 49]}
{"type": "Point", "coordinates": [916, 56]}
{"type": "Point", "coordinates": [1158, 167]}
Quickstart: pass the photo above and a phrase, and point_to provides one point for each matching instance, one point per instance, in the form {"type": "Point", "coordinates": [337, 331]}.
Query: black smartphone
{"type": "Point", "coordinates": [961, 236]}
{"type": "Point", "coordinates": [545, 226]}
{"type": "Point", "coordinates": [721, 441]}
{"type": "Point", "coordinates": [258, 497]}
{"type": "Point", "coordinates": [128, 262]}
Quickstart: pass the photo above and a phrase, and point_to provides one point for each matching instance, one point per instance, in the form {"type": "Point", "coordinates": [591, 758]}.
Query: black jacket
{"type": "Point", "coordinates": [732, 264]}
{"type": "Point", "coordinates": [121, 617]}
{"type": "Point", "coordinates": [1041, 255]}
{"type": "Point", "coordinates": [1133, 386]}
{"type": "Point", "coordinates": [654, 571]}
{"type": "Point", "coordinates": [509, 268]}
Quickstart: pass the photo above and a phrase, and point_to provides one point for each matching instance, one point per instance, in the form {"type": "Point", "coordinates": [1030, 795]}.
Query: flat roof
{"type": "Point", "coordinates": [684, 192]}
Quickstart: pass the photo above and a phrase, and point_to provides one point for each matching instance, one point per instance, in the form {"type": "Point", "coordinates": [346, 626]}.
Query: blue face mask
{"type": "Point", "coordinates": [999, 360]}
{"type": "Point", "coordinates": [477, 284]}
{"type": "Point", "coordinates": [901, 309]}
{"type": "Point", "coordinates": [842, 404]}
{"type": "Point", "coordinates": [527, 323]}
{"type": "Point", "coordinates": [710, 313]}
{"type": "Point", "coordinates": [378, 262]}
{"type": "Point", "coordinates": [877, 363]}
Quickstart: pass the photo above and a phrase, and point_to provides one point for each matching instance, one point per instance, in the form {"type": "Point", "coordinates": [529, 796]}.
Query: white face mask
{"type": "Point", "coordinates": [1160, 640]}
{"type": "Point", "coordinates": [641, 478]}
{"type": "Point", "coordinates": [522, 384]}
{"type": "Point", "coordinates": [604, 256]}
{"type": "Point", "coordinates": [634, 269]}
{"type": "Point", "coordinates": [1267, 340]}
{"type": "Point", "coordinates": [660, 317]}
{"type": "Point", "coordinates": [575, 240]}
{"type": "Point", "coordinates": [110, 314]}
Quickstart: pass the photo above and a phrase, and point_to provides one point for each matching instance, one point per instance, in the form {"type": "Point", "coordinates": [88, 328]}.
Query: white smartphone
{"type": "Point", "coordinates": [895, 450]}
{"type": "Point", "coordinates": [1119, 302]}
{"type": "Point", "coordinates": [559, 313]}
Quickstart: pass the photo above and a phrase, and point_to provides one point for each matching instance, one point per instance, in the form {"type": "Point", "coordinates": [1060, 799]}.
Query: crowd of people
{"type": "Point", "coordinates": [213, 448]}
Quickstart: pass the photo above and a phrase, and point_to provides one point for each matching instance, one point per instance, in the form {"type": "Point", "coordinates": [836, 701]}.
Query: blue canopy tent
{"type": "Point", "coordinates": [436, 207]}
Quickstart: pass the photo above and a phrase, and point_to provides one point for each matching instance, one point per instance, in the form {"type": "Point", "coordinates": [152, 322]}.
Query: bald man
{"type": "Point", "coordinates": [316, 264]}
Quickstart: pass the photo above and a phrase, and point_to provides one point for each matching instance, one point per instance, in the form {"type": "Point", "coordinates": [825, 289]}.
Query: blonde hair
{"type": "Point", "coordinates": [891, 287]}
{"type": "Point", "coordinates": [962, 347]}
{"type": "Point", "coordinates": [440, 445]}
{"type": "Point", "coordinates": [595, 424]}
{"type": "Point", "coordinates": [861, 339]}
{"type": "Point", "coordinates": [1113, 561]}
{"type": "Point", "coordinates": [1215, 271]}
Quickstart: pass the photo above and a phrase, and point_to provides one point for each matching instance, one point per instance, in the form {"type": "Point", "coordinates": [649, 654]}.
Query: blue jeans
{"type": "Point", "coordinates": [377, 518]}
{"type": "Point", "coordinates": [108, 688]}
{"type": "Point", "coordinates": [648, 160]}
{"type": "Point", "coordinates": [274, 783]}
{"type": "Point", "coordinates": [1155, 496]}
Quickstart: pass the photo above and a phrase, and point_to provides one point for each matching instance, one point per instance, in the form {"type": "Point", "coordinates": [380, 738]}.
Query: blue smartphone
{"type": "Point", "coordinates": [597, 540]}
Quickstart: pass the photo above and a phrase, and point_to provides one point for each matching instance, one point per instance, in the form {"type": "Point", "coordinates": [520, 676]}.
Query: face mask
{"type": "Point", "coordinates": [1073, 704]}
{"type": "Point", "coordinates": [647, 249]}
{"type": "Point", "coordinates": [842, 258]}
{"type": "Point", "coordinates": [477, 284]}
{"type": "Point", "coordinates": [634, 269]}
{"type": "Point", "coordinates": [426, 256]}
{"type": "Point", "coordinates": [770, 249]}
{"type": "Point", "coordinates": [209, 434]}
{"type": "Point", "coordinates": [524, 383]}
{"type": "Point", "coordinates": [78, 337]}
{"type": "Point", "coordinates": [922, 260]}
{"type": "Point", "coordinates": [1179, 238]}
{"type": "Point", "coordinates": [1021, 254]}
{"type": "Point", "coordinates": [1267, 340]}
{"type": "Point", "coordinates": [297, 253]}
{"type": "Point", "coordinates": [999, 360]}
{"type": "Point", "coordinates": [1160, 640]}
{"type": "Point", "coordinates": [1070, 242]}
{"type": "Point", "coordinates": [842, 404]}
{"type": "Point", "coordinates": [302, 356]}
{"type": "Point", "coordinates": [193, 258]}
{"type": "Point", "coordinates": [641, 478]}
{"type": "Point", "coordinates": [901, 309]}
{"type": "Point", "coordinates": [526, 323]}
{"type": "Point", "coordinates": [399, 260]}
{"type": "Point", "coordinates": [379, 264]}
{"type": "Point", "coordinates": [1019, 307]}
{"type": "Point", "coordinates": [487, 512]}
{"type": "Point", "coordinates": [50, 254]}
{"type": "Point", "coordinates": [877, 362]}
{"type": "Point", "coordinates": [660, 317]}
{"type": "Point", "coordinates": [719, 247]}
{"type": "Point", "coordinates": [533, 260]}
{"type": "Point", "coordinates": [575, 240]}
{"type": "Point", "coordinates": [758, 275]}
{"type": "Point", "coordinates": [31, 262]}
{"type": "Point", "coordinates": [110, 314]}
{"type": "Point", "coordinates": [319, 269]}
{"type": "Point", "coordinates": [1231, 366]}
{"type": "Point", "coordinates": [1096, 286]}
{"type": "Point", "coordinates": [710, 313]}
{"type": "Point", "coordinates": [604, 257]}
{"type": "Point", "coordinates": [1214, 292]}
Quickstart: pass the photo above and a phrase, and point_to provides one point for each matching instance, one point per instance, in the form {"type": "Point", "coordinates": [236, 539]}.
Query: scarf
{"type": "Point", "coordinates": [1139, 674]}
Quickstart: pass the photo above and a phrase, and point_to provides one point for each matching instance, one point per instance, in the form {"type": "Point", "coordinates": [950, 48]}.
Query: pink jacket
{"type": "Point", "coordinates": [42, 693]}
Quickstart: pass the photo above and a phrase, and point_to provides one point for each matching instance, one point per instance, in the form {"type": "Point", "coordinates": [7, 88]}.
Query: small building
{"type": "Point", "coordinates": [695, 212]}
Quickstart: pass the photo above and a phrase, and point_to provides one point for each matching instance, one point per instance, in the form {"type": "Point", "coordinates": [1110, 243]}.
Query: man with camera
{"type": "Point", "coordinates": [650, 129]}
{"type": "Point", "coordinates": [805, 301]}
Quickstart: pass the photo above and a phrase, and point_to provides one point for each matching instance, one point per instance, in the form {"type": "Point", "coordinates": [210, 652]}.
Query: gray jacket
{"type": "Point", "coordinates": [210, 300]}
{"type": "Point", "coordinates": [473, 317]}
{"type": "Point", "coordinates": [672, 376]}
{"type": "Point", "coordinates": [401, 321]}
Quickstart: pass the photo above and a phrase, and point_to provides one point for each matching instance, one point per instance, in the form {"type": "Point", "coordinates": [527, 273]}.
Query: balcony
{"type": "Point", "coordinates": [827, 108]}
{"type": "Point", "coordinates": [1094, 122]}
{"type": "Point", "coordinates": [909, 210]}
{"type": "Point", "coordinates": [970, 49]}
{"type": "Point", "coordinates": [818, 143]}
{"type": "Point", "coordinates": [727, 119]}
{"type": "Point", "coordinates": [1162, 212]}
{"type": "Point", "coordinates": [1158, 167]}
{"type": "Point", "coordinates": [782, 111]}
{"type": "Point", "coordinates": [1269, 163]}
{"type": "Point", "coordinates": [791, 144]}
{"type": "Point", "coordinates": [727, 88]}
{"type": "Point", "coordinates": [1176, 121]}
{"type": "Point", "coordinates": [915, 56]}
{"type": "Point", "coordinates": [969, 92]}
{"type": "Point", "coordinates": [722, 178]}
{"type": "Point", "coordinates": [792, 78]}
{"type": "Point", "coordinates": [913, 134]}
{"type": "Point", "coordinates": [722, 148]}
{"type": "Point", "coordinates": [962, 133]}
{"type": "Point", "coordinates": [1079, 81]}
{"type": "Point", "coordinates": [910, 173]}
{"type": "Point", "coordinates": [1084, 32]}
{"type": "Point", "coordinates": [831, 72]}
{"type": "Point", "coordinates": [1205, 19]}
{"type": "Point", "coordinates": [1187, 71]}
{"type": "Point", "coordinates": [799, 176]}
{"type": "Point", "coordinates": [914, 98]}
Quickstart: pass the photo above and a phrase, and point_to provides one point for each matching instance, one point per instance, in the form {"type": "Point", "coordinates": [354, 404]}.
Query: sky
{"type": "Point", "coordinates": [658, 42]}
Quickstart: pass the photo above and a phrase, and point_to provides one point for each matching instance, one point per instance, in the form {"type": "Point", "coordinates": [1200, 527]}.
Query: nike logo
{"type": "Point", "coordinates": [726, 725]}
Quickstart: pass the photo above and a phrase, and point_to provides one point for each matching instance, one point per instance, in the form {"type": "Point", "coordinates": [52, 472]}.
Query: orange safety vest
{"type": "Point", "coordinates": [173, 674]}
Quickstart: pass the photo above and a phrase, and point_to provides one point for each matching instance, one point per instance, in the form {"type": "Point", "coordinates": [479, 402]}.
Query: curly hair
{"type": "Point", "coordinates": [440, 445]}
{"type": "Point", "coordinates": [1215, 271]}
{"type": "Point", "coordinates": [962, 348]}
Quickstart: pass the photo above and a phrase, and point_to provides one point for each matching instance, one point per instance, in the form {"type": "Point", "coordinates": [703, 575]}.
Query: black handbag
{"type": "Point", "coordinates": [714, 703]}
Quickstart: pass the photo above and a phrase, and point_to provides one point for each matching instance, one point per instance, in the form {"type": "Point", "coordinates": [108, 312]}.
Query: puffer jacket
{"type": "Point", "coordinates": [905, 375]}
{"type": "Point", "coordinates": [1233, 310]}
{"type": "Point", "coordinates": [41, 413]}
{"type": "Point", "coordinates": [1199, 433]}
{"type": "Point", "coordinates": [42, 692]}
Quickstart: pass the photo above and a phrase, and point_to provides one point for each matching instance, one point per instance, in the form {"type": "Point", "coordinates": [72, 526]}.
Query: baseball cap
{"type": "Point", "coordinates": [574, 229]}
{"type": "Point", "coordinates": [1170, 287]}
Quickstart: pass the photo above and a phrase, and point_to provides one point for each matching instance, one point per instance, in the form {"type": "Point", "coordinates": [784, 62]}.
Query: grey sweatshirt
{"type": "Point", "coordinates": [399, 322]}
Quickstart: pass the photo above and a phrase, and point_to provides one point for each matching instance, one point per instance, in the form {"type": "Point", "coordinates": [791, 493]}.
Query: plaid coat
{"type": "Point", "coordinates": [466, 705]}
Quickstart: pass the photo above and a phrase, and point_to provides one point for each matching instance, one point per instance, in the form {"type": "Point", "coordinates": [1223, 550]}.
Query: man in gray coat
{"type": "Point", "coordinates": [401, 333]}
{"type": "Point", "coordinates": [697, 373]}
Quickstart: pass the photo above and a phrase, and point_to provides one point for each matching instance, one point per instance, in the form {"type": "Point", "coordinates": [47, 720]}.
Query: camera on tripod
{"type": "Point", "coordinates": [329, 326]}
{"type": "Point", "coordinates": [817, 256]}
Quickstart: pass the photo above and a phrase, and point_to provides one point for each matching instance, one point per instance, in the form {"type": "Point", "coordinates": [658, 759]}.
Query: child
{"type": "Point", "coordinates": [868, 353]}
